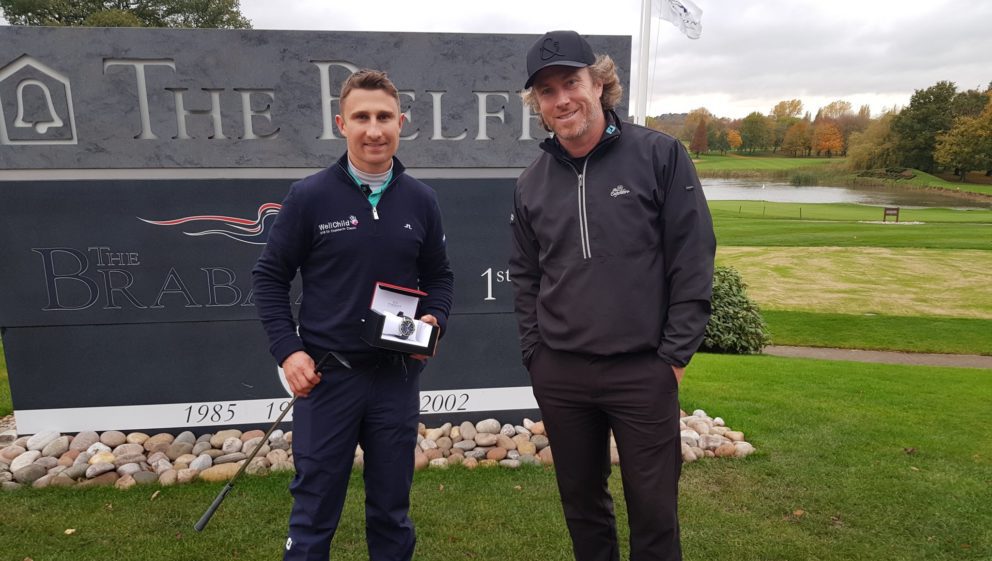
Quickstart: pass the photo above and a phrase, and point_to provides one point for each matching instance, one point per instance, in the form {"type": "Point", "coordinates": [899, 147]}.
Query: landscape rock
{"type": "Point", "coordinates": [84, 440]}
{"type": "Point", "coordinates": [40, 440]}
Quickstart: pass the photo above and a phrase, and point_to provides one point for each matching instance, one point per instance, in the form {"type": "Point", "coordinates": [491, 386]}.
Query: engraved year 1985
{"type": "Point", "coordinates": [210, 412]}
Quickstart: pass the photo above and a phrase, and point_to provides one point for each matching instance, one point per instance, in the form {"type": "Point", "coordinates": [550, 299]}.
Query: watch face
{"type": "Point", "coordinates": [406, 328]}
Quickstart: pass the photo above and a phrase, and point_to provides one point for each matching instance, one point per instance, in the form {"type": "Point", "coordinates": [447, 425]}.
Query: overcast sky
{"type": "Point", "coordinates": [751, 55]}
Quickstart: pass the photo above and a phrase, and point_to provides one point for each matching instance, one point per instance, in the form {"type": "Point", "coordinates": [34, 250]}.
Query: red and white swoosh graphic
{"type": "Point", "coordinates": [244, 230]}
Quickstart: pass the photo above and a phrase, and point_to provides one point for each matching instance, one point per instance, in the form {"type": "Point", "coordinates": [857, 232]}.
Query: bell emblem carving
{"type": "Point", "coordinates": [39, 124]}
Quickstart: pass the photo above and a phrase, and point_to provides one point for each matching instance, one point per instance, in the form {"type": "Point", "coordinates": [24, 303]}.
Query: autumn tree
{"type": "Point", "coordinates": [850, 123]}
{"type": "Point", "coordinates": [782, 116]}
{"type": "Point", "coordinates": [699, 142]}
{"type": "Point", "coordinates": [790, 108]}
{"type": "Point", "coordinates": [875, 148]}
{"type": "Point", "coordinates": [755, 132]}
{"type": "Point", "coordinates": [716, 135]}
{"type": "Point", "coordinates": [779, 127]}
{"type": "Point", "coordinates": [798, 139]}
{"type": "Point", "coordinates": [734, 139]}
{"type": "Point", "coordinates": [692, 121]}
{"type": "Point", "coordinates": [968, 145]}
{"type": "Point", "coordinates": [927, 115]}
{"type": "Point", "coordinates": [835, 109]}
{"type": "Point", "coordinates": [827, 138]}
{"type": "Point", "coordinates": [842, 115]}
{"type": "Point", "coordinates": [126, 13]}
{"type": "Point", "coordinates": [669, 123]}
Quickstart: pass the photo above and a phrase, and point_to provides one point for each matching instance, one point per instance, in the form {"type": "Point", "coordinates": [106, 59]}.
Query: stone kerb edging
{"type": "Point", "coordinates": [124, 460]}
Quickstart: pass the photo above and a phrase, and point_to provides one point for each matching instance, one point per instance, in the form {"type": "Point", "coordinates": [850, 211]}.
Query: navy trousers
{"type": "Point", "coordinates": [376, 406]}
{"type": "Point", "coordinates": [582, 398]}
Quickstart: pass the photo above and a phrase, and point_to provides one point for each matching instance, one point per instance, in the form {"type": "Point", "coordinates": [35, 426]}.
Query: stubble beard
{"type": "Point", "coordinates": [572, 133]}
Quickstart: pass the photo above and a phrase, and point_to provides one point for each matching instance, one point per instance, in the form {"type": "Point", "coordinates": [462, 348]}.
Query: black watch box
{"type": "Point", "coordinates": [391, 321]}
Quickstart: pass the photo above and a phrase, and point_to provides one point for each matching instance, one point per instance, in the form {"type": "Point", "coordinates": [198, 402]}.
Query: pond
{"type": "Point", "coordinates": [756, 190]}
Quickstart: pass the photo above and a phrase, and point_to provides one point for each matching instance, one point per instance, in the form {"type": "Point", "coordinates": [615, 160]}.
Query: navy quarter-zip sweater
{"type": "Point", "coordinates": [327, 231]}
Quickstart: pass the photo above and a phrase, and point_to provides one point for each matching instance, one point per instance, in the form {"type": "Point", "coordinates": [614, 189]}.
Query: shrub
{"type": "Point", "coordinates": [735, 325]}
{"type": "Point", "coordinates": [800, 179]}
{"type": "Point", "coordinates": [889, 173]}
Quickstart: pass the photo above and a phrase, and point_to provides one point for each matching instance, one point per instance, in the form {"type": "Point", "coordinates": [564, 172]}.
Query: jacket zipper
{"type": "Point", "coordinates": [375, 213]}
{"type": "Point", "coordinates": [583, 215]}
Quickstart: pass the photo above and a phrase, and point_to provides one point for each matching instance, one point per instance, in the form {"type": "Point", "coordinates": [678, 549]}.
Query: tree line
{"type": "Point", "coordinates": [126, 13]}
{"type": "Point", "coordinates": [942, 129]}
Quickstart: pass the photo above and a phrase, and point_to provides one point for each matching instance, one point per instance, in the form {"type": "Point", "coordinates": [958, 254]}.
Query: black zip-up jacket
{"type": "Point", "coordinates": [614, 254]}
{"type": "Point", "coordinates": [328, 231]}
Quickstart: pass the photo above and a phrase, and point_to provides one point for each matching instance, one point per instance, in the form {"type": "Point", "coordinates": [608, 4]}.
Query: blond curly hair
{"type": "Point", "coordinates": [603, 71]}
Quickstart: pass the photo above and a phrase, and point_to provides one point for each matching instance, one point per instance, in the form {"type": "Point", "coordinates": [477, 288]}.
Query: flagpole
{"type": "Point", "coordinates": [640, 110]}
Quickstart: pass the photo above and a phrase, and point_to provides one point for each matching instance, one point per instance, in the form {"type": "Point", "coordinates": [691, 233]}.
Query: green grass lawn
{"type": "Point", "coordinates": [6, 408]}
{"type": "Point", "coordinates": [757, 223]}
{"type": "Point", "coordinates": [923, 179]}
{"type": "Point", "coordinates": [761, 162]}
{"type": "Point", "coordinates": [880, 332]}
{"type": "Point", "coordinates": [844, 213]}
{"type": "Point", "coordinates": [808, 233]}
{"type": "Point", "coordinates": [854, 461]}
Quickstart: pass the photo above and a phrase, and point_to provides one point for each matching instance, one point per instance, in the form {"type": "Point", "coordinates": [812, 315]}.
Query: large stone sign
{"type": "Point", "coordinates": [141, 169]}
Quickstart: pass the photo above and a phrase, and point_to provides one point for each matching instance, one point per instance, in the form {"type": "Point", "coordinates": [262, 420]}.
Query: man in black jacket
{"type": "Point", "coordinates": [612, 268]}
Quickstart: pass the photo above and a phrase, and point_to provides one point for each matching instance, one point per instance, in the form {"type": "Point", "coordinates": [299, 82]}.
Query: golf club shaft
{"type": "Point", "coordinates": [202, 522]}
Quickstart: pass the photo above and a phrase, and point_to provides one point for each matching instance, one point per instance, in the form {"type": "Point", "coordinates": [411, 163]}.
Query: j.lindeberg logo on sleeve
{"type": "Point", "coordinates": [334, 226]}
{"type": "Point", "coordinates": [619, 190]}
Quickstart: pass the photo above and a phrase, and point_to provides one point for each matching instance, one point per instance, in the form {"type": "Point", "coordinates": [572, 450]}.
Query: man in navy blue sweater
{"type": "Point", "coordinates": [358, 222]}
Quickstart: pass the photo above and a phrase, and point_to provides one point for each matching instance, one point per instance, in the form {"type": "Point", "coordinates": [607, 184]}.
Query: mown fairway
{"type": "Point", "coordinates": [757, 223]}
{"type": "Point", "coordinates": [921, 334]}
{"type": "Point", "coordinates": [763, 163]}
{"type": "Point", "coordinates": [854, 461]}
{"type": "Point", "coordinates": [840, 260]}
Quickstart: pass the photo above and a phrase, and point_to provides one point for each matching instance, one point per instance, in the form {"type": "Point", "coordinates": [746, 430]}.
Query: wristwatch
{"type": "Point", "coordinates": [407, 327]}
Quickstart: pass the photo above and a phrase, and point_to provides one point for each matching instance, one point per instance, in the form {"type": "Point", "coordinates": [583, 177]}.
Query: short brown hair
{"type": "Point", "coordinates": [604, 71]}
{"type": "Point", "coordinates": [368, 79]}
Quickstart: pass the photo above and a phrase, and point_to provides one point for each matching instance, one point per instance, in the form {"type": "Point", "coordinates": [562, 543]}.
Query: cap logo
{"type": "Point", "coordinates": [549, 52]}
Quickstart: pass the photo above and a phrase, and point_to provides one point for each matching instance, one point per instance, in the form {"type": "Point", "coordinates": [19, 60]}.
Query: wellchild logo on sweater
{"type": "Point", "coordinates": [335, 226]}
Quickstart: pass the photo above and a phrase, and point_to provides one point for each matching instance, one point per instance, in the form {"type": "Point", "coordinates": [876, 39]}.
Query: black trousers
{"type": "Point", "coordinates": [377, 406]}
{"type": "Point", "coordinates": [583, 397]}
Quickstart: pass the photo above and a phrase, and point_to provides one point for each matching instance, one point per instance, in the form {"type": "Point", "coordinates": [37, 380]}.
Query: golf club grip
{"type": "Point", "coordinates": [202, 522]}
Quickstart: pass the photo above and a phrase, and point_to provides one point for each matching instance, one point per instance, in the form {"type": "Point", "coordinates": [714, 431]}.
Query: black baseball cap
{"type": "Point", "coordinates": [558, 48]}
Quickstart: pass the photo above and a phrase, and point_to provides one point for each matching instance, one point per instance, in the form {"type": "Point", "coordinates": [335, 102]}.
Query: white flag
{"type": "Point", "coordinates": [683, 14]}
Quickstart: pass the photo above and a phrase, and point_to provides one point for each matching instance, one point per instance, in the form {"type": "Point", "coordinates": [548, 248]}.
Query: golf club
{"type": "Point", "coordinates": [202, 522]}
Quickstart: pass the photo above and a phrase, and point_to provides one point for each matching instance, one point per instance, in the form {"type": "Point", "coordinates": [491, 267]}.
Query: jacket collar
{"type": "Point", "coordinates": [614, 126]}
{"type": "Point", "coordinates": [342, 167]}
